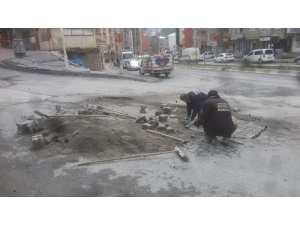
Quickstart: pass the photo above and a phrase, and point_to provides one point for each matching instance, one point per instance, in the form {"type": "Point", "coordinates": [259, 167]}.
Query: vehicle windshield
{"type": "Point", "coordinates": [127, 56]}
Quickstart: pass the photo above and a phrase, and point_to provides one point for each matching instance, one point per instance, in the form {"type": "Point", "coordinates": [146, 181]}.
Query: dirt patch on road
{"type": "Point", "coordinates": [99, 137]}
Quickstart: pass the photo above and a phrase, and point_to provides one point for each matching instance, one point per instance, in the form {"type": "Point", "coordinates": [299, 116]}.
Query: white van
{"type": "Point", "coordinates": [190, 55]}
{"type": "Point", "coordinates": [126, 56]}
{"type": "Point", "coordinates": [260, 55]}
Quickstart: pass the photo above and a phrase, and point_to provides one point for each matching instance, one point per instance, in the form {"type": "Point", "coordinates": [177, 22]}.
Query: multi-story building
{"type": "Point", "coordinates": [211, 39]}
{"type": "Point", "coordinates": [162, 44]}
{"type": "Point", "coordinates": [172, 42]}
{"type": "Point", "coordinates": [293, 39]}
{"type": "Point", "coordinates": [133, 40]}
{"type": "Point", "coordinates": [246, 39]}
{"type": "Point", "coordinates": [144, 40]}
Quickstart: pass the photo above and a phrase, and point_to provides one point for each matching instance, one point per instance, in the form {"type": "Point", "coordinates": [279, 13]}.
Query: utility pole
{"type": "Point", "coordinates": [64, 48]}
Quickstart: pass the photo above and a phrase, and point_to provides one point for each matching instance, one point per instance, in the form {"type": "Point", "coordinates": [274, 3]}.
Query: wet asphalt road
{"type": "Point", "coordinates": [266, 166]}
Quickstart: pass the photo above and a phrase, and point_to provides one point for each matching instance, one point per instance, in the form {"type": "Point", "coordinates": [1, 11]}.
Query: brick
{"type": "Point", "coordinates": [170, 130]}
{"type": "Point", "coordinates": [158, 113]}
{"type": "Point", "coordinates": [161, 128]}
{"type": "Point", "coordinates": [167, 110]}
{"type": "Point", "coordinates": [163, 118]}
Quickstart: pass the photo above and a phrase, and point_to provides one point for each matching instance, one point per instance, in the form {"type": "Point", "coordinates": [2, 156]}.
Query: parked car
{"type": "Point", "coordinates": [207, 55]}
{"type": "Point", "coordinates": [190, 55]}
{"type": "Point", "coordinates": [259, 56]}
{"type": "Point", "coordinates": [297, 60]}
{"type": "Point", "coordinates": [223, 57]}
{"type": "Point", "coordinates": [133, 65]}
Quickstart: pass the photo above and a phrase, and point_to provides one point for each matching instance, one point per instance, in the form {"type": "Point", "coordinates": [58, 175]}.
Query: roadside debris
{"type": "Point", "coordinates": [143, 108]}
{"type": "Point", "coordinates": [37, 142]}
{"type": "Point", "coordinates": [51, 137]}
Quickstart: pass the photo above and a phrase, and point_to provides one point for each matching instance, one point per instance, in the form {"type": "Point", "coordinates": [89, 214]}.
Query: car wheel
{"type": "Point", "coordinates": [167, 74]}
{"type": "Point", "coordinates": [141, 72]}
{"type": "Point", "coordinates": [222, 61]}
{"type": "Point", "coordinates": [298, 61]}
{"type": "Point", "coordinates": [212, 57]}
{"type": "Point", "coordinates": [215, 61]}
{"type": "Point", "coordinates": [259, 61]}
{"type": "Point", "coordinates": [245, 60]}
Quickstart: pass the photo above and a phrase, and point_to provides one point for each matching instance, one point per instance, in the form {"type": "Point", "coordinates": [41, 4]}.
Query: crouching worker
{"type": "Point", "coordinates": [216, 118]}
{"type": "Point", "coordinates": [194, 101]}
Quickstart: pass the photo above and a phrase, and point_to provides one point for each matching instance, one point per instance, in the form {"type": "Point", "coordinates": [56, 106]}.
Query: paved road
{"type": "Point", "coordinates": [266, 166]}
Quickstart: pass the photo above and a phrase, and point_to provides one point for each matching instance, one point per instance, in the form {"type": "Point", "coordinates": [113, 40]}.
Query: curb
{"type": "Point", "coordinates": [11, 66]}
{"type": "Point", "coordinates": [247, 70]}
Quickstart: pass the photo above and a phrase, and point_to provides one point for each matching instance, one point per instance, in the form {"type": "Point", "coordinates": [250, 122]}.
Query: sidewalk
{"type": "Point", "coordinates": [53, 63]}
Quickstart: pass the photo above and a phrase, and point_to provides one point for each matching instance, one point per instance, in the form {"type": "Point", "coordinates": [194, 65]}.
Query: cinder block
{"type": "Point", "coordinates": [170, 130]}
{"type": "Point", "coordinates": [161, 128]}
{"type": "Point", "coordinates": [163, 118]}
{"type": "Point", "coordinates": [158, 113]}
{"type": "Point", "coordinates": [167, 110]}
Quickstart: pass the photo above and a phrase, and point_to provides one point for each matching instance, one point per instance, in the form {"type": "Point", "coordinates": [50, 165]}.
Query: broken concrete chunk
{"type": "Point", "coordinates": [51, 137]}
{"type": "Point", "coordinates": [145, 126]}
{"type": "Point", "coordinates": [158, 113]}
{"type": "Point", "coordinates": [163, 118]}
{"type": "Point", "coordinates": [26, 126]}
{"type": "Point", "coordinates": [161, 128]}
{"type": "Point", "coordinates": [167, 110]}
{"type": "Point", "coordinates": [166, 125]}
{"type": "Point", "coordinates": [142, 119]}
{"type": "Point", "coordinates": [170, 130]}
{"type": "Point", "coordinates": [235, 109]}
{"type": "Point", "coordinates": [31, 117]}
{"type": "Point", "coordinates": [37, 142]}
{"type": "Point", "coordinates": [163, 105]}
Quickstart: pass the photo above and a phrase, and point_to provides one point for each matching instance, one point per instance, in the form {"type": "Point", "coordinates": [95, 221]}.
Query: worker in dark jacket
{"type": "Point", "coordinates": [216, 118]}
{"type": "Point", "coordinates": [194, 101]}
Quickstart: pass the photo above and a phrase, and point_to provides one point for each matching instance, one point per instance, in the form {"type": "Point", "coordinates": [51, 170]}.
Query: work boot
{"type": "Point", "coordinates": [225, 141]}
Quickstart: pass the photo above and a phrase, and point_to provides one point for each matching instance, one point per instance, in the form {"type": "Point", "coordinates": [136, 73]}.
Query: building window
{"type": "Point", "coordinates": [252, 29]}
{"type": "Point", "coordinates": [78, 32]}
{"type": "Point", "coordinates": [264, 29]}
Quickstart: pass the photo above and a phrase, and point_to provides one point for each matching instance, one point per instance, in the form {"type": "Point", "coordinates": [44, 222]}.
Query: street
{"type": "Point", "coordinates": [265, 166]}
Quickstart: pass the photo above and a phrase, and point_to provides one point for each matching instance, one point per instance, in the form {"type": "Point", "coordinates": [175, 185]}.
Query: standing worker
{"type": "Point", "coordinates": [194, 101]}
{"type": "Point", "coordinates": [216, 118]}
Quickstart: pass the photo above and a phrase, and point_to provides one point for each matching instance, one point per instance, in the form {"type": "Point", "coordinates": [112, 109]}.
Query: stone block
{"type": "Point", "coordinates": [167, 110]}
{"type": "Point", "coordinates": [170, 130]}
{"type": "Point", "coordinates": [148, 126]}
{"type": "Point", "coordinates": [161, 128]}
{"type": "Point", "coordinates": [37, 142]}
{"type": "Point", "coordinates": [163, 118]}
{"type": "Point", "coordinates": [142, 119]}
{"type": "Point", "coordinates": [158, 113]}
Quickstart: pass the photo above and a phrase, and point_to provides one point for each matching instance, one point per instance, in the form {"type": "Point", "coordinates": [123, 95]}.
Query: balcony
{"type": "Point", "coordinates": [265, 33]}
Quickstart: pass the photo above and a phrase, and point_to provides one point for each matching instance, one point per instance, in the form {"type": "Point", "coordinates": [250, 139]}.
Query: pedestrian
{"type": "Point", "coordinates": [216, 118]}
{"type": "Point", "coordinates": [194, 101]}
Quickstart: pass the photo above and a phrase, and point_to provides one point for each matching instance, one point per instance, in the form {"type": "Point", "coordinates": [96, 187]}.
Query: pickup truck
{"type": "Point", "coordinates": [156, 65]}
